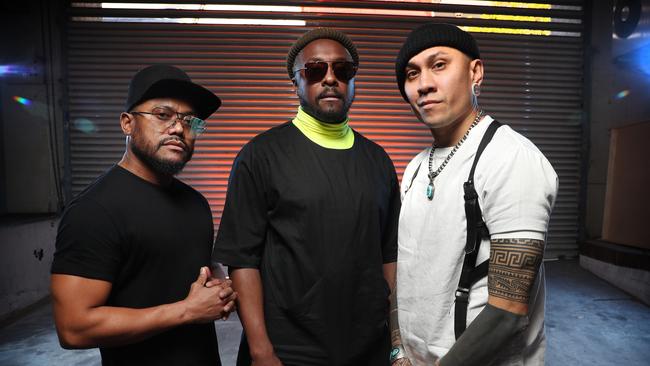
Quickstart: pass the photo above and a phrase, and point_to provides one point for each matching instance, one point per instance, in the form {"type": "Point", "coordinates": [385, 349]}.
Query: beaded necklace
{"type": "Point", "coordinates": [433, 174]}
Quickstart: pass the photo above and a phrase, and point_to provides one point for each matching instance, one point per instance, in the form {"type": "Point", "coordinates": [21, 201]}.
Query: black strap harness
{"type": "Point", "coordinates": [476, 232]}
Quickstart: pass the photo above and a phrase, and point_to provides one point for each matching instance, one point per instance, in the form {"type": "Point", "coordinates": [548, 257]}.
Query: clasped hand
{"type": "Point", "coordinates": [209, 298]}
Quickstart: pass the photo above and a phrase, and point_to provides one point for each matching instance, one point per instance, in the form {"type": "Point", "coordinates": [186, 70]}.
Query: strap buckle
{"type": "Point", "coordinates": [462, 294]}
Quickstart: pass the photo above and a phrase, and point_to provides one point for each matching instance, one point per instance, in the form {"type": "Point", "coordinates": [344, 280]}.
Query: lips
{"type": "Point", "coordinates": [427, 102]}
{"type": "Point", "coordinates": [330, 95]}
{"type": "Point", "coordinates": [174, 144]}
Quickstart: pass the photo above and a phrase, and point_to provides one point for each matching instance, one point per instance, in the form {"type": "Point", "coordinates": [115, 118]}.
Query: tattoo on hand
{"type": "Point", "coordinates": [514, 264]}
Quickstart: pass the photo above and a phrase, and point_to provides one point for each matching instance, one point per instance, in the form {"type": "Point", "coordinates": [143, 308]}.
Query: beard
{"type": "Point", "coordinates": [147, 155]}
{"type": "Point", "coordinates": [328, 115]}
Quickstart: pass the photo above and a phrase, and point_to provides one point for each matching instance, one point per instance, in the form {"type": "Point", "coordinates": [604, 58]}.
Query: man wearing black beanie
{"type": "Point", "coordinates": [475, 212]}
{"type": "Point", "coordinates": [309, 228]}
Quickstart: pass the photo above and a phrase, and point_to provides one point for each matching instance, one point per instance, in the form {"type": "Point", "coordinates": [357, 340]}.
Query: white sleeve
{"type": "Point", "coordinates": [519, 235]}
{"type": "Point", "coordinates": [519, 187]}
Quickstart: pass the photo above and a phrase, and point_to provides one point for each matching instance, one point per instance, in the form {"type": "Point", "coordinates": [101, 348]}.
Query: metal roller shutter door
{"type": "Point", "coordinates": [533, 81]}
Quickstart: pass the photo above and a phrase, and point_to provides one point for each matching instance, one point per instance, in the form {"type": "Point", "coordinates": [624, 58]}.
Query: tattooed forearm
{"type": "Point", "coordinates": [514, 264]}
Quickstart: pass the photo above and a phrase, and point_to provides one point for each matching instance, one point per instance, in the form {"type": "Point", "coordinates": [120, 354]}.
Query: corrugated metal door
{"type": "Point", "coordinates": [532, 53]}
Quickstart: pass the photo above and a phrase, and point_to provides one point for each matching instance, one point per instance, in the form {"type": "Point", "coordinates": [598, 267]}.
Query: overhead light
{"type": "Point", "coordinates": [494, 4]}
{"type": "Point", "coordinates": [235, 21]}
{"type": "Point", "coordinates": [519, 31]}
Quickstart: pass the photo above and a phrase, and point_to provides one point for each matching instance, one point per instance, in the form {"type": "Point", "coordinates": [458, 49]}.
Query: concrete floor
{"type": "Point", "coordinates": [588, 322]}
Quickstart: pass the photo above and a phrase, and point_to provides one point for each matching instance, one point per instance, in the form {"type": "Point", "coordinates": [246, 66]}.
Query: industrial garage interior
{"type": "Point", "coordinates": [570, 75]}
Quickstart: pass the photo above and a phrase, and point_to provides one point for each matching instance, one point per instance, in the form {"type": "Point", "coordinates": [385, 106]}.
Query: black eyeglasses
{"type": "Point", "coordinates": [316, 71]}
{"type": "Point", "coordinates": [167, 118]}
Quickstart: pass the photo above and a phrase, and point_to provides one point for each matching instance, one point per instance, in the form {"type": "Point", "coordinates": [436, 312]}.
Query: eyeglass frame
{"type": "Point", "coordinates": [355, 68]}
{"type": "Point", "coordinates": [186, 119]}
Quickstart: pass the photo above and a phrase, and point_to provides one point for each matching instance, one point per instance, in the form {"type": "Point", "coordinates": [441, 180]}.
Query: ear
{"type": "Point", "coordinates": [296, 86]}
{"type": "Point", "coordinates": [127, 123]}
{"type": "Point", "coordinates": [476, 71]}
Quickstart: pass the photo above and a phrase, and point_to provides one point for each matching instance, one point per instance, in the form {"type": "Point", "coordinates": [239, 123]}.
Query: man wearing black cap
{"type": "Point", "coordinates": [309, 225]}
{"type": "Point", "coordinates": [130, 247]}
{"type": "Point", "coordinates": [475, 211]}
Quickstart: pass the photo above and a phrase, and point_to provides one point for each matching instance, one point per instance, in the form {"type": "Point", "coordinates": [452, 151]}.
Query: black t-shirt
{"type": "Point", "coordinates": [149, 242]}
{"type": "Point", "coordinates": [319, 224]}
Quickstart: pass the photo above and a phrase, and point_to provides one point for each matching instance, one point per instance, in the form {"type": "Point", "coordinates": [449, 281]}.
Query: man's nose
{"type": "Point", "coordinates": [330, 78]}
{"type": "Point", "coordinates": [426, 83]}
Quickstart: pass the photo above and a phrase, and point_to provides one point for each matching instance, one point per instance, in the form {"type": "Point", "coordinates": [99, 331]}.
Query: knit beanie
{"type": "Point", "coordinates": [431, 35]}
{"type": "Point", "coordinates": [320, 33]}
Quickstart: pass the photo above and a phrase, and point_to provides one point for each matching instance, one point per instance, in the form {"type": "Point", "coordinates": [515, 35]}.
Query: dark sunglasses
{"type": "Point", "coordinates": [316, 71]}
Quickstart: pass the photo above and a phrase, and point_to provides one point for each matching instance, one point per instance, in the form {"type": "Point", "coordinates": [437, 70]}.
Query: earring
{"type": "Point", "coordinates": [476, 89]}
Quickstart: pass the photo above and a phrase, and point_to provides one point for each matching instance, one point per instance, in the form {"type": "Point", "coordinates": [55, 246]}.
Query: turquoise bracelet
{"type": "Point", "coordinates": [396, 353]}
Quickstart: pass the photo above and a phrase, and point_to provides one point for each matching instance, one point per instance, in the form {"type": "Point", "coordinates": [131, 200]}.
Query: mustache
{"type": "Point", "coordinates": [330, 92]}
{"type": "Point", "coordinates": [171, 138]}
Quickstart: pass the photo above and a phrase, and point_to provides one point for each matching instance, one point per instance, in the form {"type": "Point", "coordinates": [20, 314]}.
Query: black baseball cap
{"type": "Point", "coordinates": [166, 81]}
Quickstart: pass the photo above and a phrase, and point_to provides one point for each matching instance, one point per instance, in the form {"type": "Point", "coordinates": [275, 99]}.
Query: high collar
{"type": "Point", "coordinates": [329, 135]}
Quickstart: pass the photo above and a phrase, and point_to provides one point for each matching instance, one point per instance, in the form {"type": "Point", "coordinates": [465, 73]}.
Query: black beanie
{"type": "Point", "coordinates": [320, 33]}
{"type": "Point", "coordinates": [431, 35]}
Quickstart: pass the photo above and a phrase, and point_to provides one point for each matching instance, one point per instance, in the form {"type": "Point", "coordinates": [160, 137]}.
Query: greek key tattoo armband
{"type": "Point", "coordinates": [514, 263]}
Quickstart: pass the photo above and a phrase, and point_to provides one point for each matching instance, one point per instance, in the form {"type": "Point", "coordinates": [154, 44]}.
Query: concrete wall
{"type": "Point", "coordinates": [636, 282]}
{"type": "Point", "coordinates": [25, 257]}
{"type": "Point", "coordinates": [620, 96]}
{"type": "Point", "coordinates": [31, 147]}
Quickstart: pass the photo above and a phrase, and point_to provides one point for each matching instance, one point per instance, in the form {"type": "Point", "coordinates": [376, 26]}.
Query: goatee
{"type": "Point", "coordinates": [323, 115]}
{"type": "Point", "coordinates": [164, 167]}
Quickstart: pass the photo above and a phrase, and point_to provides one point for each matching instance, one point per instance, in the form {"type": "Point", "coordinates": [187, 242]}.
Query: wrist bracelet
{"type": "Point", "coordinates": [396, 353]}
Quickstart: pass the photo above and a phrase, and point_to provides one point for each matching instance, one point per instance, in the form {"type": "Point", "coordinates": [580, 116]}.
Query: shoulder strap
{"type": "Point", "coordinates": [476, 228]}
{"type": "Point", "coordinates": [476, 232]}
{"type": "Point", "coordinates": [487, 137]}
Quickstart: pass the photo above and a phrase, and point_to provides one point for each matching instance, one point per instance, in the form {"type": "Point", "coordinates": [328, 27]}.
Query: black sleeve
{"type": "Point", "coordinates": [87, 243]}
{"type": "Point", "coordinates": [240, 239]}
{"type": "Point", "coordinates": [389, 237]}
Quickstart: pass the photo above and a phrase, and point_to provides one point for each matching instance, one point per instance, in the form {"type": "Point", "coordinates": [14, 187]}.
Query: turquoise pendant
{"type": "Point", "coordinates": [430, 190]}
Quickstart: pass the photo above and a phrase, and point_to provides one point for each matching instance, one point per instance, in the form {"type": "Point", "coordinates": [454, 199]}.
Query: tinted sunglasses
{"type": "Point", "coordinates": [316, 71]}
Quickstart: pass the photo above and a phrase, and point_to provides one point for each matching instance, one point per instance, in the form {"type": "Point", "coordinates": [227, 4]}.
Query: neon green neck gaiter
{"type": "Point", "coordinates": [332, 136]}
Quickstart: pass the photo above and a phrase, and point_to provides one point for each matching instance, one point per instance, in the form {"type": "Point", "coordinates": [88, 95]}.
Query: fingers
{"type": "Point", "coordinates": [230, 306]}
{"type": "Point", "coordinates": [213, 282]}
{"type": "Point", "coordinates": [203, 276]}
{"type": "Point", "coordinates": [227, 309]}
{"type": "Point", "coordinates": [218, 282]}
{"type": "Point", "coordinates": [225, 292]}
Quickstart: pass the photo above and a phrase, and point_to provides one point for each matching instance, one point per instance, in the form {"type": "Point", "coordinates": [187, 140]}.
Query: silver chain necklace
{"type": "Point", "coordinates": [432, 175]}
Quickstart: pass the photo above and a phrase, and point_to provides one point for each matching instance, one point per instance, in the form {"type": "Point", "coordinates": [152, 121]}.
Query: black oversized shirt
{"type": "Point", "coordinates": [319, 224]}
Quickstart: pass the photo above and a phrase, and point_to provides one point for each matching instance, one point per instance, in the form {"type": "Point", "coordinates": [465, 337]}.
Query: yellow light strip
{"type": "Point", "coordinates": [519, 31]}
{"type": "Point", "coordinates": [517, 18]}
{"type": "Point", "coordinates": [499, 4]}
